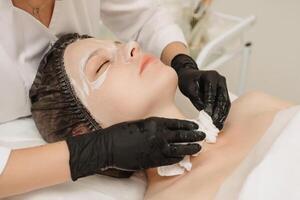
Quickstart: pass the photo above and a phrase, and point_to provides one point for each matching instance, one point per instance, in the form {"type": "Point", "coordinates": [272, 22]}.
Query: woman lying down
{"type": "Point", "coordinates": [118, 82]}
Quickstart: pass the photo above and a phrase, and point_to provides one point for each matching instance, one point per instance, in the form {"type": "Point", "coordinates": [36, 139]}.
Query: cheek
{"type": "Point", "coordinates": [125, 97]}
{"type": "Point", "coordinates": [120, 98]}
{"type": "Point", "coordinates": [162, 83]}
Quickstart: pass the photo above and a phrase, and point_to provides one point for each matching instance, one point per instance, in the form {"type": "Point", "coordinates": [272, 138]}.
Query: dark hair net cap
{"type": "Point", "coordinates": [57, 111]}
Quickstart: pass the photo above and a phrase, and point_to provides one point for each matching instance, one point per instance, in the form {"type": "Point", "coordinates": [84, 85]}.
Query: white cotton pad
{"type": "Point", "coordinates": [170, 170]}
{"type": "Point", "coordinates": [205, 125]}
{"type": "Point", "coordinates": [97, 83]}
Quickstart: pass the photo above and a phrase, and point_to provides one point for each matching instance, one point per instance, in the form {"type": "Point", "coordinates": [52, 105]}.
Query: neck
{"type": "Point", "coordinates": [169, 110]}
{"type": "Point", "coordinates": [31, 3]}
{"type": "Point", "coordinates": [37, 3]}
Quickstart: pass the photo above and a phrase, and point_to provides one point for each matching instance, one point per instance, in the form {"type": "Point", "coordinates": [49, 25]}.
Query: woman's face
{"type": "Point", "coordinates": [118, 82]}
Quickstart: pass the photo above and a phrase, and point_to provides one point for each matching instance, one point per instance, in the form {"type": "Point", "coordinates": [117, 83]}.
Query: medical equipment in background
{"type": "Point", "coordinates": [214, 54]}
{"type": "Point", "coordinates": [214, 38]}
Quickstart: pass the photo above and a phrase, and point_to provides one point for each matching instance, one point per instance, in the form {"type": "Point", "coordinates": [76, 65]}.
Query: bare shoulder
{"type": "Point", "coordinates": [256, 103]}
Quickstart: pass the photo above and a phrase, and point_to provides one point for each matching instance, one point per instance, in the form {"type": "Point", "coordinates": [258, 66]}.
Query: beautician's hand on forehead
{"type": "Point", "coordinates": [206, 89]}
{"type": "Point", "coordinates": [131, 146]}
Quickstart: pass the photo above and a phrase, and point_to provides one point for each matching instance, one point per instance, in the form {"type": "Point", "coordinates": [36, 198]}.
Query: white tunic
{"type": "Point", "coordinates": [24, 40]}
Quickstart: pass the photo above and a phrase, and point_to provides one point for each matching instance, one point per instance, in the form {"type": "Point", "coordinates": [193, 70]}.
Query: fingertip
{"type": "Point", "coordinates": [202, 136]}
{"type": "Point", "coordinates": [219, 125]}
{"type": "Point", "coordinates": [172, 160]}
{"type": "Point", "coordinates": [197, 136]}
{"type": "Point", "coordinates": [198, 106]}
{"type": "Point", "coordinates": [209, 110]}
{"type": "Point", "coordinates": [196, 148]}
{"type": "Point", "coordinates": [177, 159]}
{"type": "Point", "coordinates": [199, 147]}
{"type": "Point", "coordinates": [194, 125]}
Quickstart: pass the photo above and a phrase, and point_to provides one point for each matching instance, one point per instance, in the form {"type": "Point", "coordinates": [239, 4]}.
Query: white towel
{"type": "Point", "coordinates": [277, 175]}
{"type": "Point", "coordinates": [205, 125]}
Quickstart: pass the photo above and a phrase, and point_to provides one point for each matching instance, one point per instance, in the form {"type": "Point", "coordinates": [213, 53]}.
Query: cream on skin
{"type": "Point", "coordinates": [112, 78]}
{"type": "Point", "coordinates": [87, 85]}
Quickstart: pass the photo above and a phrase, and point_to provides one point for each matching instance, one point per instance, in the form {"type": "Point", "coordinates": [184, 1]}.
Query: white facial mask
{"type": "Point", "coordinates": [100, 80]}
{"type": "Point", "coordinates": [85, 86]}
{"type": "Point", "coordinates": [93, 85]}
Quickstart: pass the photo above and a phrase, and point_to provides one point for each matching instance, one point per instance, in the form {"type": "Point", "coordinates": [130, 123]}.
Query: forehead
{"type": "Point", "coordinates": [87, 45]}
{"type": "Point", "coordinates": [78, 52]}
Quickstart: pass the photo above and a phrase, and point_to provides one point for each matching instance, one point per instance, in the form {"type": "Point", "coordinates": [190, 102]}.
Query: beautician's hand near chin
{"type": "Point", "coordinates": [131, 146]}
{"type": "Point", "coordinates": [206, 89]}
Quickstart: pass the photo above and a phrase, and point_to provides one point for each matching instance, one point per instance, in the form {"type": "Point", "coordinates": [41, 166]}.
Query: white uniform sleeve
{"type": "Point", "coordinates": [4, 155]}
{"type": "Point", "coordinates": [145, 21]}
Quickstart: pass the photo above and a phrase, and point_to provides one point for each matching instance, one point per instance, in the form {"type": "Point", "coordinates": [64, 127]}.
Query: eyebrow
{"type": "Point", "coordinates": [117, 42]}
{"type": "Point", "coordinates": [94, 52]}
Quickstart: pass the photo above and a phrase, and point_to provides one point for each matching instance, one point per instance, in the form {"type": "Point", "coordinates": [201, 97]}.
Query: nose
{"type": "Point", "coordinates": [133, 49]}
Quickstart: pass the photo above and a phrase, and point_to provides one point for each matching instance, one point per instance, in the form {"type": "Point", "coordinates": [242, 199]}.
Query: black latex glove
{"type": "Point", "coordinates": [133, 146]}
{"type": "Point", "coordinates": [206, 89]}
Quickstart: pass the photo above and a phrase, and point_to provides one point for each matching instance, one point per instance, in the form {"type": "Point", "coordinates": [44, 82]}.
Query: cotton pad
{"type": "Point", "coordinates": [205, 125]}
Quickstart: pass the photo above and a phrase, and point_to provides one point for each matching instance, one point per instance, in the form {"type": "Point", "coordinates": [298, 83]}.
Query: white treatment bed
{"type": "Point", "coordinates": [270, 170]}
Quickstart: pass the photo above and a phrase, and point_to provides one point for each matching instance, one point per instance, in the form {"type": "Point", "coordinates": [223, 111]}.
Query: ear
{"type": "Point", "coordinates": [80, 130]}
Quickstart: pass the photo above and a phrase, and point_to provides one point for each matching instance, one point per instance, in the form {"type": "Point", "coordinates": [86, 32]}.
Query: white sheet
{"type": "Point", "coordinates": [271, 170]}
{"type": "Point", "coordinates": [4, 156]}
{"type": "Point", "coordinates": [277, 177]}
{"type": "Point", "coordinates": [23, 133]}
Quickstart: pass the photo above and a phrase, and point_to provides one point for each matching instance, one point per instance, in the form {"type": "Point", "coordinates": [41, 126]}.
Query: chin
{"type": "Point", "coordinates": [166, 83]}
{"type": "Point", "coordinates": [172, 78]}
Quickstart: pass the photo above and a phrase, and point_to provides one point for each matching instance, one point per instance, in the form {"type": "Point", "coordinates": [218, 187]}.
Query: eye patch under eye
{"type": "Point", "coordinates": [95, 66]}
{"type": "Point", "coordinates": [100, 80]}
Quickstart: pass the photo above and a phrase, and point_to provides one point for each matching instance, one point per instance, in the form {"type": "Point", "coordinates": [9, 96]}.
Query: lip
{"type": "Point", "coordinates": [145, 61]}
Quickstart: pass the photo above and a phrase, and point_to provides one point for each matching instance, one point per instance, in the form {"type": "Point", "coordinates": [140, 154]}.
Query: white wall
{"type": "Point", "coordinates": [275, 61]}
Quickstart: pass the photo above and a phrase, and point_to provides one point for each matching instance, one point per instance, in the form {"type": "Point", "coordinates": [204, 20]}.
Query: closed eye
{"type": "Point", "coordinates": [102, 65]}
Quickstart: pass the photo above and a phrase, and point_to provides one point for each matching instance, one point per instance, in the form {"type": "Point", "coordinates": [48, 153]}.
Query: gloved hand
{"type": "Point", "coordinates": [133, 146]}
{"type": "Point", "coordinates": [206, 89]}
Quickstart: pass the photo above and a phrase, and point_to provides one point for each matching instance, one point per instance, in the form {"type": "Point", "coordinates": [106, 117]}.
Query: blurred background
{"type": "Point", "coordinates": [275, 61]}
